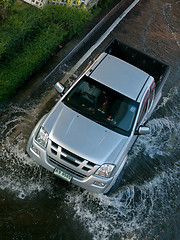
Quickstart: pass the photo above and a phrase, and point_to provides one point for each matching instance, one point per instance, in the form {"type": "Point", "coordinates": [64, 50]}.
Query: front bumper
{"type": "Point", "coordinates": [92, 183]}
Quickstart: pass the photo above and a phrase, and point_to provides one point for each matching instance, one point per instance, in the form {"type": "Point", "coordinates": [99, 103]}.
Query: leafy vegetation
{"type": "Point", "coordinates": [5, 3]}
{"type": "Point", "coordinates": [29, 37]}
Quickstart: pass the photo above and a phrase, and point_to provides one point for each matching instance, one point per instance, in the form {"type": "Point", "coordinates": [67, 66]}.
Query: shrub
{"type": "Point", "coordinates": [29, 37]}
{"type": "Point", "coordinates": [5, 3]}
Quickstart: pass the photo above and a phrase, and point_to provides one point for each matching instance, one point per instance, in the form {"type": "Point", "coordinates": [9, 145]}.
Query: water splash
{"type": "Point", "coordinates": [131, 212]}
{"type": "Point", "coordinates": [173, 92]}
{"type": "Point", "coordinates": [162, 140]}
{"type": "Point", "coordinates": [18, 172]}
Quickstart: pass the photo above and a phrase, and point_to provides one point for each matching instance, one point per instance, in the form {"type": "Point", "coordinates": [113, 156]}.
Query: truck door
{"type": "Point", "coordinates": [147, 106]}
{"type": "Point", "coordinates": [144, 109]}
{"type": "Point", "coordinates": [152, 94]}
{"type": "Point", "coordinates": [150, 100]}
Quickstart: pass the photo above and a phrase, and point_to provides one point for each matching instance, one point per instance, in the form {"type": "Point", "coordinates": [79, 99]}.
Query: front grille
{"type": "Point", "coordinates": [74, 164]}
{"type": "Point", "coordinates": [58, 164]}
{"type": "Point", "coordinates": [69, 161]}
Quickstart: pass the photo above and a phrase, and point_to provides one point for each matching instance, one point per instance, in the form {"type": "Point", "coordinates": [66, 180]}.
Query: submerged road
{"type": "Point", "coordinates": [34, 204]}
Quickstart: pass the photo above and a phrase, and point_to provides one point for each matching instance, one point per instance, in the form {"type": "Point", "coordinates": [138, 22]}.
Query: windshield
{"type": "Point", "coordinates": [103, 105]}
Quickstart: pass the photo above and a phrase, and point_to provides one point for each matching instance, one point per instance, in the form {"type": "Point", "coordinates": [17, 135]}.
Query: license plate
{"type": "Point", "coordinates": [62, 175]}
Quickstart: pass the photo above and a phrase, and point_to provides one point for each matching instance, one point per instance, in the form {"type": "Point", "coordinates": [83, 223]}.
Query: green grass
{"type": "Point", "coordinates": [29, 37]}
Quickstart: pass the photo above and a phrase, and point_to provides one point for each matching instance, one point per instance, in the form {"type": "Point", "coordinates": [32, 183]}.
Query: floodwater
{"type": "Point", "coordinates": [34, 204]}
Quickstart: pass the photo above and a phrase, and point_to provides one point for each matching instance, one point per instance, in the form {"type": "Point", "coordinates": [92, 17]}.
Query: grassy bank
{"type": "Point", "coordinates": [29, 36]}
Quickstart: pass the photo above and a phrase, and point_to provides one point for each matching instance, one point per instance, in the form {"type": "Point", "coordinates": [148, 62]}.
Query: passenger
{"type": "Point", "coordinates": [104, 106]}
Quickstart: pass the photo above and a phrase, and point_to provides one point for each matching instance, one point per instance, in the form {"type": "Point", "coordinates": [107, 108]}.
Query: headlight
{"type": "Point", "coordinates": [105, 170]}
{"type": "Point", "coordinates": [42, 137]}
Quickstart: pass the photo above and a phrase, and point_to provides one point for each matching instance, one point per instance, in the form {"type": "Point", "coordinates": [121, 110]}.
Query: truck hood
{"type": "Point", "coordinates": [82, 136]}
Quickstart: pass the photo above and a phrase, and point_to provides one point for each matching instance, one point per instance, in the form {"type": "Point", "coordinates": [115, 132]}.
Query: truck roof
{"type": "Point", "coordinates": [120, 76]}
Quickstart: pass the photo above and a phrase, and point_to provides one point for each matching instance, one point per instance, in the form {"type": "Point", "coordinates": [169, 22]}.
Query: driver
{"type": "Point", "coordinates": [89, 92]}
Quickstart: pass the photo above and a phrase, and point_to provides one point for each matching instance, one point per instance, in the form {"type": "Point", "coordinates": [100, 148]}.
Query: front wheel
{"type": "Point", "coordinates": [120, 181]}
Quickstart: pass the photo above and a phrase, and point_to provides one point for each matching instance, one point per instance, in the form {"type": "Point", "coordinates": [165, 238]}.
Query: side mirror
{"type": "Point", "coordinates": [143, 130]}
{"type": "Point", "coordinates": [59, 88]}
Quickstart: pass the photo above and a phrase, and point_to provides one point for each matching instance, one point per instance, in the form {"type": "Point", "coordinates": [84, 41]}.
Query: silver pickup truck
{"type": "Point", "coordinates": [86, 137]}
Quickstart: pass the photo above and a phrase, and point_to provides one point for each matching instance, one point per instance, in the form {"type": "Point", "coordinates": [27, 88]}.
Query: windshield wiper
{"type": "Point", "coordinates": [73, 107]}
{"type": "Point", "coordinates": [106, 124]}
{"type": "Point", "coordinates": [109, 125]}
{"type": "Point", "coordinates": [80, 110]}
